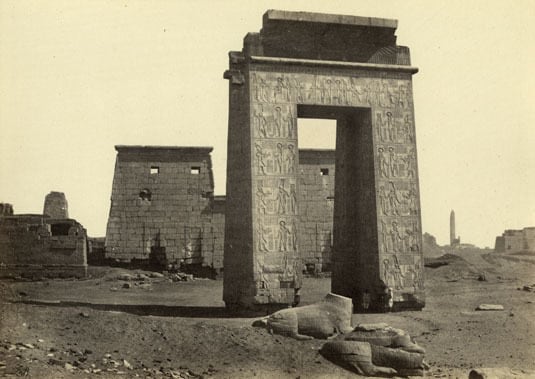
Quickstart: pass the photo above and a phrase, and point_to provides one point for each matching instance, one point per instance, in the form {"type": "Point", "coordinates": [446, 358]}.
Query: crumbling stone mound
{"type": "Point", "coordinates": [322, 320]}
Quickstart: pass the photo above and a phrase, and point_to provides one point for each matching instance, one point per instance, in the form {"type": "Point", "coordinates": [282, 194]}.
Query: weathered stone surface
{"type": "Point", "coordinates": [356, 356]}
{"type": "Point", "coordinates": [323, 66]}
{"type": "Point", "coordinates": [6, 209]}
{"type": "Point", "coordinates": [325, 319]}
{"type": "Point", "coordinates": [381, 334]}
{"type": "Point", "coordinates": [56, 205]}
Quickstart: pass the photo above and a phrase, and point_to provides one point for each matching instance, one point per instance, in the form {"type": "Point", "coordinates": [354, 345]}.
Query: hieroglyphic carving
{"type": "Point", "coordinates": [274, 117]}
{"type": "Point", "coordinates": [275, 158]}
{"type": "Point", "coordinates": [268, 87]}
{"type": "Point", "coordinates": [399, 237]}
{"type": "Point", "coordinates": [396, 162]}
{"type": "Point", "coordinates": [397, 199]}
{"type": "Point", "coordinates": [276, 196]}
{"type": "Point", "coordinates": [401, 273]}
{"type": "Point", "coordinates": [274, 121]}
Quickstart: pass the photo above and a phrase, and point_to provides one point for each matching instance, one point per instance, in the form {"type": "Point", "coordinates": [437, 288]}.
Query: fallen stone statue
{"type": "Point", "coordinates": [368, 349]}
{"type": "Point", "coordinates": [371, 360]}
{"type": "Point", "coordinates": [326, 319]}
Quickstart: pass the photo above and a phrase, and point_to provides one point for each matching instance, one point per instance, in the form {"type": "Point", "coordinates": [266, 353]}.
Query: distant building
{"type": "Point", "coordinates": [516, 241]}
{"type": "Point", "coordinates": [163, 207]}
{"type": "Point", "coordinates": [454, 240]}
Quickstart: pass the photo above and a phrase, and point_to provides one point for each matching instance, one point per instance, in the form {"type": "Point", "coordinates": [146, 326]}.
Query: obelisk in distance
{"type": "Point", "coordinates": [452, 228]}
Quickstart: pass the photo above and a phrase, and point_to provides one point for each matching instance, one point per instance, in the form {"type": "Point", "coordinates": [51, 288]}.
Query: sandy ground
{"type": "Point", "coordinates": [157, 328]}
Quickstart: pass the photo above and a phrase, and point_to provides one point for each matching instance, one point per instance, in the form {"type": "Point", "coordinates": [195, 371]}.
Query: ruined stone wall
{"type": "Point", "coordinates": [161, 202]}
{"type": "Point", "coordinates": [38, 246]}
{"type": "Point", "coordinates": [316, 202]}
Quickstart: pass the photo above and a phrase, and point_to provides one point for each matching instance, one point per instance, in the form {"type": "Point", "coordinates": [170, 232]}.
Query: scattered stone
{"type": "Point", "coordinates": [127, 285]}
{"type": "Point", "coordinates": [28, 345]}
{"type": "Point", "coordinates": [489, 307]}
{"type": "Point", "coordinates": [68, 366]}
{"type": "Point", "coordinates": [40, 340]}
{"type": "Point", "coordinates": [127, 364]}
{"type": "Point", "coordinates": [155, 275]}
{"type": "Point", "coordinates": [84, 314]}
{"type": "Point", "coordinates": [125, 277]}
{"type": "Point", "coordinates": [529, 288]}
{"type": "Point", "coordinates": [482, 278]}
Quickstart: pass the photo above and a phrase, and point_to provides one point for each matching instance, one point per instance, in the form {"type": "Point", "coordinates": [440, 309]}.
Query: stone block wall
{"type": "Point", "coordinates": [316, 202]}
{"type": "Point", "coordinates": [39, 246]}
{"type": "Point", "coordinates": [160, 204]}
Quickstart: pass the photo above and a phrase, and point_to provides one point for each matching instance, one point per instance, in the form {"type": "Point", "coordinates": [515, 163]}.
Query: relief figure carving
{"type": "Point", "coordinates": [261, 236]}
{"type": "Point", "coordinates": [384, 169]}
{"type": "Point", "coordinates": [283, 235]}
{"type": "Point", "coordinates": [289, 122]}
{"type": "Point", "coordinates": [260, 156]}
{"type": "Point", "coordinates": [393, 200]}
{"type": "Point", "coordinates": [293, 199]}
{"type": "Point", "coordinates": [290, 159]}
{"type": "Point", "coordinates": [294, 236]}
{"type": "Point", "coordinates": [261, 204]}
{"type": "Point", "coordinates": [260, 123]}
{"type": "Point", "coordinates": [282, 198]}
{"type": "Point", "coordinates": [279, 157]}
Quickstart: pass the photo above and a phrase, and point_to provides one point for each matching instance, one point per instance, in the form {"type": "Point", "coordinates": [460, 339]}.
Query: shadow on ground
{"type": "Point", "coordinates": [150, 309]}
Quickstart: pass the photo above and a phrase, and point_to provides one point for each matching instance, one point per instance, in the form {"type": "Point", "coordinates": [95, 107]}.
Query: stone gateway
{"type": "Point", "coordinates": [344, 68]}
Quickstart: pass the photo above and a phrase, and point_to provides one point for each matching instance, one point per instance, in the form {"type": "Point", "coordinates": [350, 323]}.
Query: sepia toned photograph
{"type": "Point", "coordinates": [269, 189]}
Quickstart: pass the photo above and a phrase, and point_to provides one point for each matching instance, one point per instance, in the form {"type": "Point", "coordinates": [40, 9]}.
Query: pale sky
{"type": "Point", "coordinates": [78, 77]}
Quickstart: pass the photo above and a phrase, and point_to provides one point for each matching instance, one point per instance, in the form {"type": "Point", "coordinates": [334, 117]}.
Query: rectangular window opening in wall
{"type": "Point", "coordinates": [154, 170]}
{"type": "Point", "coordinates": [60, 229]}
{"type": "Point", "coordinates": [196, 170]}
{"type": "Point", "coordinates": [324, 171]}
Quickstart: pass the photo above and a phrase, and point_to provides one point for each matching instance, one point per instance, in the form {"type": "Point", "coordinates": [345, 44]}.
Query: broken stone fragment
{"type": "Point", "coordinates": [325, 319]}
{"type": "Point", "coordinates": [489, 307]}
{"type": "Point", "coordinates": [356, 356]}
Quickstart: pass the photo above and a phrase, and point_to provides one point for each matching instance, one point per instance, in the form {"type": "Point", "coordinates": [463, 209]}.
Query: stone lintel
{"type": "Point", "coordinates": [335, 64]}
{"type": "Point", "coordinates": [324, 18]}
{"type": "Point", "coordinates": [182, 149]}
